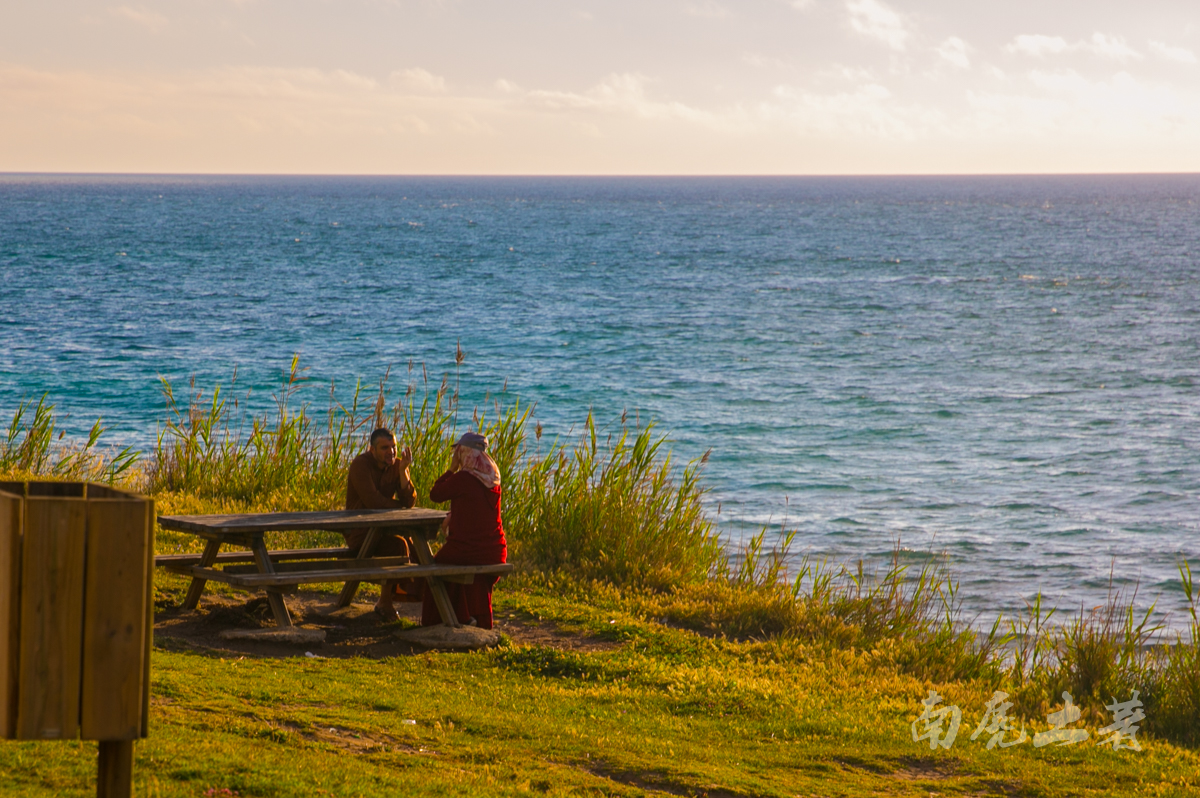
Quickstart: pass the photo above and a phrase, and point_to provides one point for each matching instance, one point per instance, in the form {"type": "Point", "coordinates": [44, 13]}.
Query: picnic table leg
{"type": "Point", "coordinates": [440, 597]}
{"type": "Point", "coordinates": [206, 560]}
{"type": "Point", "coordinates": [274, 597]}
{"type": "Point", "coordinates": [364, 551]}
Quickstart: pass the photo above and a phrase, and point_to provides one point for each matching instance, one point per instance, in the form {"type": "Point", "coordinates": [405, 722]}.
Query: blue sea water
{"type": "Point", "coordinates": [1004, 369]}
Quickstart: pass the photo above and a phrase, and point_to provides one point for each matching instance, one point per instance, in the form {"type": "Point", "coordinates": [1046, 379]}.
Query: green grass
{"type": "Point", "coordinates": [754, 676]}
{"type": "Point", "coordinates": [665, 711]}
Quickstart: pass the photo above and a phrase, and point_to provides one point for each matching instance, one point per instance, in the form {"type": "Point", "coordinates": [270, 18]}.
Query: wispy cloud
{"type": "Point", "coordinates": [418, 81]}
{"type": "Point", "coordinates": [305, 119]}
{"type": "Point", "coordinates": [954, 50]}
{"type": "Point", "coordinates": [1113, 47]}
{"type": "Point", "coordinates": [1180, 55]}
{"type": "Point", "coordinates": [150, 20]}
{"type": "Point", "coordinates": [760, 61]}
{"type": "Point", "coordinates": [867, 110]}
{"type": "Point", "coordinates": [847, 73]}
{"type": "Point", "coordinates": [1101, 44]}
{"type": "Point", "coordinates": [1064, 102]}
{"type": "Point", "coordinates": [876, 20]}
{"type": "Point", "coordinates": [1038, 45]}
{"type": "Point", "coordinates": [620, 94]}
{"type": "Point", "coordinates": [709, 9]}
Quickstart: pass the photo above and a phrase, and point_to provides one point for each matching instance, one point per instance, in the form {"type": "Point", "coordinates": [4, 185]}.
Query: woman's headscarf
{"type": "Point", "coordinates": [479, 464]}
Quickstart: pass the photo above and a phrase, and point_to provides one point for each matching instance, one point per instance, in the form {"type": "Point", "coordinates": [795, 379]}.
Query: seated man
{"type": "Point", "coordinates": [379, 480]}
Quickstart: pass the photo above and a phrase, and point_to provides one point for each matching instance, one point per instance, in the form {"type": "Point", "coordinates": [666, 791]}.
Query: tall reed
{"type": "Point", "coordinates": [291, 458]}
{"type": "Point", "coordinates": [1106, 654]}
{"type": "Point", "coordinates": [31, 449]}
{"type": "Point", "coordinates": [615, 508]}
{"type": "Point", "coordinates": [210, 448]}
{"type": "Point", "coordinates": [915, 615]}
{"type": "Point", "coordinates": [1173, 689]}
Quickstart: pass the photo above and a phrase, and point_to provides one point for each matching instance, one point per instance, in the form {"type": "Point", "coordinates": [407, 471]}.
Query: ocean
{"type": "Point", "coordinates": [1003, 370]}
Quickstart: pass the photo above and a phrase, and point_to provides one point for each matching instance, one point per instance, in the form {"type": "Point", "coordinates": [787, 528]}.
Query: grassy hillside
{"type": "Point", "coordinates": [703, 675]}
{"type": "Point", "coordinates": [664, 711]}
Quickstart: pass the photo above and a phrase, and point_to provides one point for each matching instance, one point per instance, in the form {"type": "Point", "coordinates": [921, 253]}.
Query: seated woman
{"type": "Point", "coordinates": [475, 535]}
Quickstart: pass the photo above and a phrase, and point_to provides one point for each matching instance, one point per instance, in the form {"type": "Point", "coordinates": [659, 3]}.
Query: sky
{"type": "Point", "coordinates": [618, 87]}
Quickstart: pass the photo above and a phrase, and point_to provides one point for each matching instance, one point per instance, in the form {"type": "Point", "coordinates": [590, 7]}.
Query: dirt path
{"type": "Point", "coordinates": [353, 631]}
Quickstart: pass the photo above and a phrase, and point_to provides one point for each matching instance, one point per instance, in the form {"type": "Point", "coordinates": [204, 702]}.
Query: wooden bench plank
{"type": "Point", "coordinates": [449, 572]}
{"type": "Point", "coordinates": [189, 568]}
{"type": "Point", "coordinates": [282, 555]}
{"type": "Point", "coordinates": [392, 520]}
{"type": "Point", "coordinates": [321, 565]}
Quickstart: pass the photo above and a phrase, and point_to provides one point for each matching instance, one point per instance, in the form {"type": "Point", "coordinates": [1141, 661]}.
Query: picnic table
{"type": "Point", "coordinates": [254, 566]}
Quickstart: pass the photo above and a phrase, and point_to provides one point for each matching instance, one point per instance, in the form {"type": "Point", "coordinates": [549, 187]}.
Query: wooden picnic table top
{"type": "Point", "coordinates": [242, 523]}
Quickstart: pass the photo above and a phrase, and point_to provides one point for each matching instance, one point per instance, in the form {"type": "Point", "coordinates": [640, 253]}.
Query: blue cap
{"type": "Point", "coordinates": [472, 440]}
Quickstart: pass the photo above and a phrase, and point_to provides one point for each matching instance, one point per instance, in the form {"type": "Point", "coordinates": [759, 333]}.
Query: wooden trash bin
{"type": "Point", "coordinates": [76, 619]}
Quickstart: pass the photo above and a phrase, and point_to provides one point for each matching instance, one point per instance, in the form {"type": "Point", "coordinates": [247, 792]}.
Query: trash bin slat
{"type": "Point", "coordinates": [52, 568]}
{"type": "Point", "coordinates": [114, 621]}
{"type": "Point", "coordinates": [10, 587]}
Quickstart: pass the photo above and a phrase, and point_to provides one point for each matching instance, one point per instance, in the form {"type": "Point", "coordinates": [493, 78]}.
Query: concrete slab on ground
{"type": "Point", "coordinates": [290, 634]}
{"type": "Point", "coordinates": [445, 638]}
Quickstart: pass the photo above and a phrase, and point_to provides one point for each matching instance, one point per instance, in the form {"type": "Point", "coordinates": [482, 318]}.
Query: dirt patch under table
{"type": "Point", "coordinates": [354, 631]}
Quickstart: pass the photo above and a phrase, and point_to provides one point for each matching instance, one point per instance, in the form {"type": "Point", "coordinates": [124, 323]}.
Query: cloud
{"type": "Point", "coordinates": [1180, 55]}
{"type": "Point", "coordinates": [847, 73]}
{"type": "Point", "coordinates": [1066, 103]}
{"type": "Point", "coordinates": [874, 19]}
{"type": "Point", "coordinates": [1102, 45]}
{"type": "Point", "coordinates": [801, 5]}
{"type": "Point", "coordinates": [760, 61]}
{"type": "Point", "coordinates": [1038, 45]}
{"type": "Point", "coordinates": [150, 20]}
{"type": "Point", "coordinates": [619, 94]}
{"type": "Point", "coordinates": [844, 119]}
{"type": "Point", "coordinates": [418, 81]}
{"type": "Point", "coordinates": [867, 110]}
{"type": "Point", "coordinates": [1113, 47]}
{"type": "Point", "coordinates": [709, 9]}
{"type": "Point", "coordinates": [954, 50]}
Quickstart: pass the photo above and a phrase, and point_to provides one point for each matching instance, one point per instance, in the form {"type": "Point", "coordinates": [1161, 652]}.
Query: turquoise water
{"type": "Point", "coordinates": [1003, 369]}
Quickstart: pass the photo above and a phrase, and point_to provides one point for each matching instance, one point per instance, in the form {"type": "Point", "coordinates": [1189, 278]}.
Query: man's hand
{"type": "Point", "coordinates": [401, 464]}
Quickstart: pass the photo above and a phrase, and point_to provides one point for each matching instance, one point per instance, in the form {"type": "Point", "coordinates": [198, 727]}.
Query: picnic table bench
{"type": "Point", "coordinates": [282, 571]}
